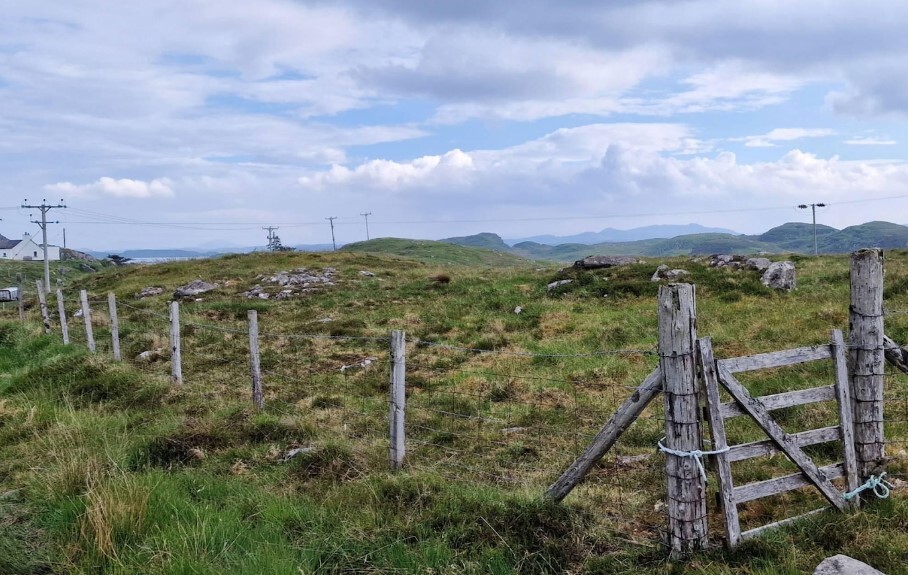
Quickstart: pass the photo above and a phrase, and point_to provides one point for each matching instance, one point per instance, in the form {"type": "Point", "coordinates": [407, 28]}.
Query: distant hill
{"type": "Point", "coordinates": [485, 240]}
{"type": "Point", "coordinates": [615, 235]}
{"type": "Point", "coordinates": [490, 249]}
{"type": "Point", "coordinates": [792, 237]}
{"type": "Point", "coordinates": [442, 253]}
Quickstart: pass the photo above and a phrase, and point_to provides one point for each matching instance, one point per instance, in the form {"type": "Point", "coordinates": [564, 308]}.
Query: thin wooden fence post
{"type": "Point", "coordinates": [21, 297]}
{"type": "Point", "coordinates": [176, 366]}
{"type": "Point", "coordinates": [398, 397]}
{"type": "Point", "coordinates": [61, 309]}
{"type": "Point", "coordinates": [677, 360]}
{"type": "Point", "coordinates": [255, 363]}
{"type": "Point", "coordinates": [114, 325]}
{"type": "Point", "coordinates": [42, 301]}
{"type": "Point", "coordinates": [867, 359]}
{"type": "Point", "coordinates": [86, 317]}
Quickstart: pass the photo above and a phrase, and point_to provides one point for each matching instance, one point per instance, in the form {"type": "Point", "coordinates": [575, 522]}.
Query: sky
{"type": "Point", "coordinates": [195, 123]}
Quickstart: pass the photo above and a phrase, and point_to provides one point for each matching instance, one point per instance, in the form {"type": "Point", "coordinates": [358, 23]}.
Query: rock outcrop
{"type": "Point", "coordinates": [780, 276]}
{"type": "Point", "coordinates": [596, 262]}
{"type": "Point", "coordinates": [193, 288]}
{"type": "Point", "coordinates": [664, 273]}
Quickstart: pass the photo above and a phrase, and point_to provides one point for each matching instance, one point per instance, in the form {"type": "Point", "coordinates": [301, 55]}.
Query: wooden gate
{"type": "Point", "coordinates": [716, 372]}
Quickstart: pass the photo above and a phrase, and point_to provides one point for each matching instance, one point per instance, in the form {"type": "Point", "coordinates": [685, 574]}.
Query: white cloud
{"type": "Point", "coordinates": [870, 141]}
{"type": "Point", "coordinates": [590, 170]}
{"type": "Point", "coordinates": [123, 188]}
{"type": "Point", "coordinates": [448, 169]}
{"type": "Point", "coordinates": [770, 138]}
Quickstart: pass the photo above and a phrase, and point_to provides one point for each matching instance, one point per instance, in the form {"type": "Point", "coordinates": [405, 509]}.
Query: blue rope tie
{"type": "Point", "coordinates": [879, 486]}
{"type": "Point", "coordinates": [696, 455]}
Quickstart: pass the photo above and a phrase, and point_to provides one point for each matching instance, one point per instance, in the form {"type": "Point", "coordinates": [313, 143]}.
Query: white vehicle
{"type": "Point", "coordinates": [9, 294]}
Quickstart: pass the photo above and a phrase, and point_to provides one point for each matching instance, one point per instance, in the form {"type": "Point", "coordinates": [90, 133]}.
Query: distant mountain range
{"type": "Point", "coordinates": [787, 238]}
{"type": "Point", "coordinates": [792, 237]}
{"type": "Point", "coordinates": [615, 235]}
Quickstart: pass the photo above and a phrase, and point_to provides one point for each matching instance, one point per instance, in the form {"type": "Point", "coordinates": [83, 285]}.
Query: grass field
{"type": "Point", "coordinates": [107, 468]}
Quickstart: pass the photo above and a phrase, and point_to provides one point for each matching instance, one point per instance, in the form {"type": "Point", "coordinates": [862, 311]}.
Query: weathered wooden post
{"type": "Point", "coordinates": [86, 317]}
{"type": "Point", "coordinates": [176, 367]}
{"type": "Point", "coordinates": [42, 301]}
{"type": "Point", "coordinates": [867, 359]}
{"type": "Point", "coordinates": [61, 309]}
{"type": "Point", "coordinates": [255, 363]}
{"type": "Point", "coordinates": [21, 297]}
{"type": "Point", "coordinates": [677, 359]}
{"type": "Point", "coordinates": [114, 324]}
{"type": "Point", "coordinates": [398, 397]}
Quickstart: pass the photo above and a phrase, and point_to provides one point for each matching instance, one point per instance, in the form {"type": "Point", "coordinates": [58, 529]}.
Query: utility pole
{"type": "Point", "coordinates": [271, 230]}
{"type": "Point", "coordinates": [44, 207]}
{"type": "Point", "coordinates": [64, 238]}
{"type": "Point", "coordinates": [366, 215]}
{"type": "Point", "coordinates": [333, 243]}
{"type": "Point", "coordinates": [813, 209]}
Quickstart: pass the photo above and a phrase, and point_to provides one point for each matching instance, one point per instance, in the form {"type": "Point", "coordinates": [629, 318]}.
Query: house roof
{"type": "Point", "coordinates": [6, 243]}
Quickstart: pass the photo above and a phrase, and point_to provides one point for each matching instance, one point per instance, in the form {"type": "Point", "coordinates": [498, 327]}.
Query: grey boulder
{"type": "Point", "coordinates": [780, 276]}
{"type": "Point", "coordinates": [595, 262]}
{"type": "Point", "coordinates": [193, 289]}
{"type": "Point", "coordinates": [844, 565]}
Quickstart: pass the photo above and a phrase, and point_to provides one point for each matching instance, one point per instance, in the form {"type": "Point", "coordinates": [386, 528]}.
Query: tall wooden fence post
{"type": "Point", "coordinates": [398, 397]}
{"type": "Point", "coordinates": [114, 325]}
{"type": "Point", "coordinates": [61, 309]}
{"type": "Point", "coordinates": [21, 297]}
{"type": "Point", "coordinates": [42, 301]}
{"type": "Point", "coordinates": [255, 363]}
{"type": "Point", "coordinates": [86, 317]}
{"type": "Point", "coordinates": [867, 359]}
{"type": "Point", "coordinates": [677, 360]}
{"type": "Point", "coordinates": [176, 366]}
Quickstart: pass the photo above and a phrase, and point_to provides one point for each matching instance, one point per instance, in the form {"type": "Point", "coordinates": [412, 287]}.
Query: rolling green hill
{"type": "Point", "coordinates": [442, 253]}
{"type": "Point", "coordinates": [793, 237]}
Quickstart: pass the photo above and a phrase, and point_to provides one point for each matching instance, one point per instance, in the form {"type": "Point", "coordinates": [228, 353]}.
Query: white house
{"type": "Point", "coordinates": [26, 249]}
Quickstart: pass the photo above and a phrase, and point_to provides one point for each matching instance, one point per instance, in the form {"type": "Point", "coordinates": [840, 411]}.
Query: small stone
{"type": "Point", "coordinates": [193, 289]}
{"type": "Point", "coordinates": [366, 273]}
{"type": "Point", "coordinates": [509, 430]}
{"type": "Point", "coordinates": [294, 452]}
{"type": "Point", "coordinates": [150, 291]}
{"type": "Point", "coordinates": [518, 309]}
{"type": "Point", "coordinates": [844, 565]}
{"type": "Point", "coordinates": [149, 356]}
{"type": "Point", "coordinates": [557, 283]}
{"type": "Point", "coordinates": [632, 459]}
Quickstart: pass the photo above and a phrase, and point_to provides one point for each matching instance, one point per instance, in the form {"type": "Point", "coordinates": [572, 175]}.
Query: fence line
{"type": "Point", "coordinates": [465, 422]}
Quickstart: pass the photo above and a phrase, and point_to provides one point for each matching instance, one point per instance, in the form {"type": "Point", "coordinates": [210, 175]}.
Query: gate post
{"type": "Point", "coordinates": [868, 360]}
{"type": "Point", "coordinates": [686, 495]}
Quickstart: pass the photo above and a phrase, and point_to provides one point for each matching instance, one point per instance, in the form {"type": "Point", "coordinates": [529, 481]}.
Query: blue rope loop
{"type": "Point", "coordinates": [878, 485]}
{"type": "Point", "coordinates": [696, 455]}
